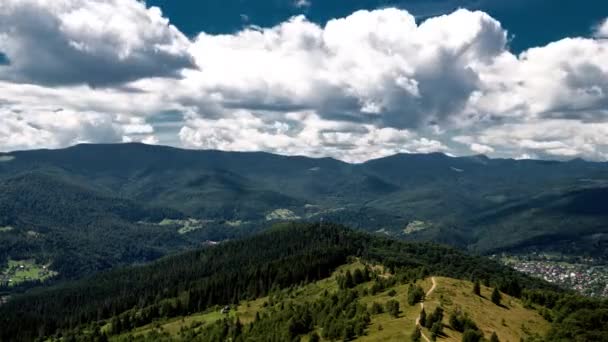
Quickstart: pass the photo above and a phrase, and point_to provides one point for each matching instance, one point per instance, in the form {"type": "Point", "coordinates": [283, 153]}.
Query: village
{"type": "Point", "coordinates": [585, 276]}
{"type": "Point", "coordinates": [21, 271]}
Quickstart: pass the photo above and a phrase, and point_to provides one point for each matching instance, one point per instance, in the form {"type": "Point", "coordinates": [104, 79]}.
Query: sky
{"type": "Point", "coordinates": [354, 80]}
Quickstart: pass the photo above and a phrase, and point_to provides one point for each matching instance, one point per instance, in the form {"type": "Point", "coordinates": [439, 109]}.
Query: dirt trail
{"type": "Point", "coordinates": [429, 292]}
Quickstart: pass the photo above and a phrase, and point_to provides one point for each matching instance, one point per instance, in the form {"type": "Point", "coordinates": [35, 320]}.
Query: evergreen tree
{"type": "Point", "coordinates": [496, 297]}
{"type": "Point", "coordinates": [436, 330]}
{"type": "Point", "coordinates": [416, 335]}
{"type": "Point", "coordinates": [348, 281]}
{"type": "Point", "coordinates": [477, 288]}
{"type": "Point", "coordinates": [422, 320]}
{"type": "Point", "coordinates": [376, 308]}
{"type": "Point", "coordinates": [116, 325]}
{"type": "Point", "coordinates": [455, 321]}
{"type": "Point", "coordinates": [392, 307]}
{"type": "Point", "coordinates": [103, 338]}
{"type": "Point", "coordinates": [238, 328]}
{"type": "Point", "coordinates": [358, 277]}
{"type": "Point", "coordinates": [435, 317]}
{"type": "Point", "coordinates": [494, 337]}
{"type": "Point", "coordinates": [461, 322]}
{"type": "Point", "coordinates": [314, 337]}
{"type": "Point", "coordinates": [471, 335]}
{"type": "Point", "coordinates": [414, 295]}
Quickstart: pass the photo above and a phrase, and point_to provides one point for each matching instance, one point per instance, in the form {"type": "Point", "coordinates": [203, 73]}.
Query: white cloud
{"type": "Point", "coordinates": [95, 42]}
{"type": "Point", "coordinates": [565, 79]}
{"type": "Point", "coordinates": [550, 138]}
{"type": "Point", "coordinates": [302, 3]}
{"type": "Point", "coordinates": [34, 116]}
{"type": "Point", "coordinates": [601, 31]}
{"type": "Point", "coordinates": [481, 149]}
{"type": "Point", "coordinates": [302, 133]}
{"type": "Point", "coordinates": [364, 86]}
{"type": "Point", "coordinates": [374, 67]}
{"type": "Point", "coordinates": [53, 128]}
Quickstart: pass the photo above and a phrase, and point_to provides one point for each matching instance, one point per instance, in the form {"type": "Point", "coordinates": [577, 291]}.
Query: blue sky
{"type": "Point", "coordinates": [516, 78]}
{"type": "Point", "coordinates": [530, 22]}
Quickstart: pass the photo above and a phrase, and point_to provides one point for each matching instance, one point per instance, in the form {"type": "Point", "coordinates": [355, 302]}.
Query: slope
{"type": "Point", "coordinates": [510, 323]}
{"type": "Point", "coordinates": [76, 228]}
{"type": "Point", "coordinates": [233, 271]}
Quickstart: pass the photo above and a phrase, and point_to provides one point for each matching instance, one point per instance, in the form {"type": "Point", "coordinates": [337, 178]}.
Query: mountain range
{"type": "Point", "coordinates": [92, 207]}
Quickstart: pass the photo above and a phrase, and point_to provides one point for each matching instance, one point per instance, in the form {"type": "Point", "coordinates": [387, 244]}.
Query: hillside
{"type": "Point", "coordinates": [78, 209]}
{"type": "Point", "coordinates": [327, 276]}
{"type": "Point", "coordinates": [510, 322]}
{"type": "Point", "coordinates": [78, 229]}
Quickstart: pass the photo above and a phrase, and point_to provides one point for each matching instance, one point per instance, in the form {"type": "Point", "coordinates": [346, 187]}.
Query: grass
{"type": "Point", "coordinates": [185, 226]}
{"type": "Point", "coordinates": [236, 223]}
{"type": "Point", "coordinates": [387, 328]}
{"type": "Point", "coordinates": [282, 214]}
{"type": "Point", "coordinates": [245, 312]}
{"type": "Point", "coordinates": [511, 321]}
{"type": "Point", "coordinates": [19, 271]}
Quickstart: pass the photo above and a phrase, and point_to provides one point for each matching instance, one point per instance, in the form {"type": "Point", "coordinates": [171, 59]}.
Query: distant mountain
{"type": "Point", "coordinates": [114, 197]}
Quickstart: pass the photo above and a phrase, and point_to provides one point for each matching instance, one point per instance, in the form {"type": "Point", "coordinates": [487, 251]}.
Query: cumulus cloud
{"type": "Point", "coordinates": [601, 31]}
{"type": "Point", "coordinates": [375, 67]}
{"type": "Point", "coordinates": [367, 85]}
{"type": "Point", "coordinates": [53, 128]}
{"type": "Point", "coordinates": [302, 3]}
{"type": "Point", "coordinates": [94, 42]}
{"type": "Point", "coordinates": [567, 78]}
{"type": "Point", "coordinates": [34, 116]}
{"type": "Point", "coordinates": [481, 149]}
{"type": "Point", "coordinates": [302, 133]}
{"type": "Point", "coordinates": [554, 138]}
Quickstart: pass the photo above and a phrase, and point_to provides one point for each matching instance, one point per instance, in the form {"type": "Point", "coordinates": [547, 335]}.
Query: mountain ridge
{"type": "Point", "coordinates": [477, 203]}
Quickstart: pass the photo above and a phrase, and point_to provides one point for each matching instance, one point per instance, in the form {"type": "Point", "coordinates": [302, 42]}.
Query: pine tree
{"type": "Point", "coordinates": [472, 336]}
{"type": "Point", "coordinates": [238, 328]}
{"type": "Point", "coordinates": [348, 281]}
{"type": "Point", "coordinates": [436, 330]}
{"type": "Point", "coordinates": [496, 297]}
{"type": "Point", "coordinates": [494, 337]}
{"type": "Point", "coordinates": [116, 325]}
{"type": "Point", "coordinates": [392, 307]}
{"type": "Point", "coordinates": [422, 320]}
{"type": "Point", "coordinates": [416, 335]}
{"type": "Point", "coordinates": [358, 277]}
{"type": "Point", "coordinates": [435, 317]}
{"type": "Point", "coordinates": [477, 288]}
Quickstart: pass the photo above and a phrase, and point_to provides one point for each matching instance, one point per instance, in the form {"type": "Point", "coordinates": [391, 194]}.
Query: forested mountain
{"type": "Point", "coordinates": [91, 207]}
{"type": "Point", "coordinates": [287, 256]}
